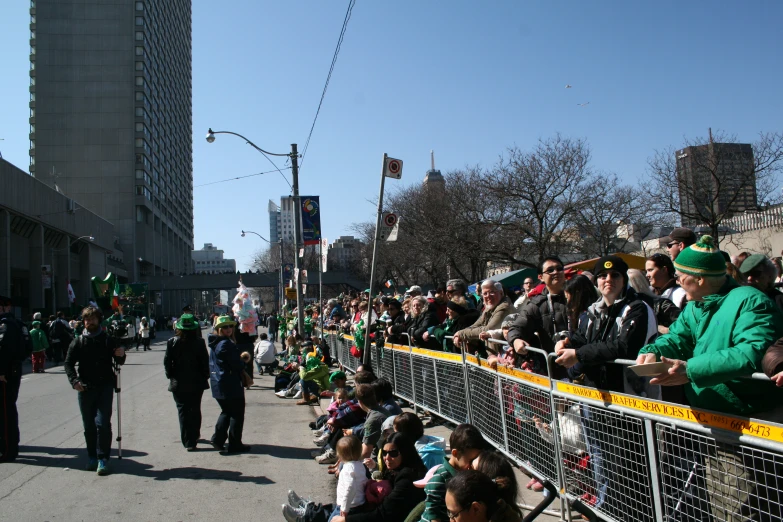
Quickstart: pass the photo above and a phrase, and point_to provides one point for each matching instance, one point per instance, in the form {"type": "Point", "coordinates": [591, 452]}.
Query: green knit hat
{"type": "Point", "coordinates": [701, 259]}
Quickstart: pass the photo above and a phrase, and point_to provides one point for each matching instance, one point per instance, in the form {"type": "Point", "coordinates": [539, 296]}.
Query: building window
{"type": "Point", "coordinates": [139, 20]}
{"type": "Point", "coordinates": [140, 6]}
{"type": "Point", "coordinates": [139, 213]}
{"type": "Point", "coordinates": [139, 36]}
{"type": "Point", "coordinates": [139, 51]}
{"type": "Point", "coordinates": [140, 81]}
{"type": "Point", "coordinates": [139, 66]}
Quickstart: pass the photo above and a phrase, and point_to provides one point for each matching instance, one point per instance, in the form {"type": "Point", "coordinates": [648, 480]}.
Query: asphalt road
{"type": "Point", "coordinates": [156, 479]}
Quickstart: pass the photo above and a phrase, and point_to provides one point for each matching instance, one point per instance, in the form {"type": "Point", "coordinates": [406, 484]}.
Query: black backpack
{"type": "Point", "coordinates": [15, 338]}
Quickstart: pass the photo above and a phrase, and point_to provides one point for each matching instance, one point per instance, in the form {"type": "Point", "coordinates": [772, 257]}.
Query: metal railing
{"type": "Point", "coordinates": [611, 456]}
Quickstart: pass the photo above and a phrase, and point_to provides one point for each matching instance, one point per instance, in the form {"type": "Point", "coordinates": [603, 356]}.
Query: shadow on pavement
{"type": "Point", "coordinates": [131, 467]}
{"type": "Point", "coordinates": [62, 457]}
{"type": "Point", "coordinates": [284, 452]}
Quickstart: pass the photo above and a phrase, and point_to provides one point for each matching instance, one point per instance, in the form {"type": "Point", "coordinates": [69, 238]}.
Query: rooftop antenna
{"type": "Point", "coordinates": [432, 159]}
{"type": "Point", "coordinates": [710, 130]}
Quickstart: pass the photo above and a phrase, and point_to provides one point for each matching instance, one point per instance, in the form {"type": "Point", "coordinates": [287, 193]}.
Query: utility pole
{"type": "Point", "coordinates": [297, 239]}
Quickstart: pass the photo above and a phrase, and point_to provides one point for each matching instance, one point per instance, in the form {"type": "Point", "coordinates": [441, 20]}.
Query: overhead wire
{"type": "Point", "coordinates": [328, 76]}
{"type": "Point", "coordinates": [243, 177]}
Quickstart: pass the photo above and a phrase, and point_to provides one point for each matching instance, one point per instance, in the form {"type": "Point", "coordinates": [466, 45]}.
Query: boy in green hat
{"type": "Point", "coordinates": [40, 345]}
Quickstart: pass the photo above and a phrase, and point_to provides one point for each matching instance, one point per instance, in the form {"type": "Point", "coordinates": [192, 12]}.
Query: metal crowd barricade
{"type": "Point", "coordinates": [615, 456]}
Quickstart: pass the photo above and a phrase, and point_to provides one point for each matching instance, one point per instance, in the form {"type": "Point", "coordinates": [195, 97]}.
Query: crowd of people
{"type": "Point", "coordinates": [712, 320]}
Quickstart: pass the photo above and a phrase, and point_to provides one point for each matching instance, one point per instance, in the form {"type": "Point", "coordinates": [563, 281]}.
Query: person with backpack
{"type": "Point", "coordinates": [95, 352]}
{"type": "Point", "coordinates": [15, 347]}
{"type": "Point", "coordinates": [60, 336]}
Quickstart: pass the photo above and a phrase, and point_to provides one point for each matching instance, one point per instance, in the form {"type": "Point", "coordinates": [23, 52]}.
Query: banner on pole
{"type": "Point", "coordinates": [324, 253]}
{"type": "Point", "coordinates": [311, 220]}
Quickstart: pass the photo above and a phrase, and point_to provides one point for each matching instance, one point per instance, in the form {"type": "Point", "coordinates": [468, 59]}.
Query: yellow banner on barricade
{"type": "Point", "coordinates": [400, 347]}
{"type": "Point", "coordinates": [435, 354]}
{"type": "Point", "coordinates": [674, 411]}
{"type": "Point", "coordinates": [512, 372]}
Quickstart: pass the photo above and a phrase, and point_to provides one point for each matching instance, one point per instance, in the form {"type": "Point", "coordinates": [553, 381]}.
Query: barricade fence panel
{"type": "Point", "coordinates": [625, 457]}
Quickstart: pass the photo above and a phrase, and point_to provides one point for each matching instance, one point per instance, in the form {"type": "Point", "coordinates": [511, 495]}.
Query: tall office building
{"type": "Point", "coordinates": [281, 220]}
{"type": "Point", "coordinates": [210, 260]}
{"type": "Point", "coordinates": [274, 221]}
{"type": "Point", "coordinates": [111, 120]}
{"type": "Point", "coordinates": [723, 169]}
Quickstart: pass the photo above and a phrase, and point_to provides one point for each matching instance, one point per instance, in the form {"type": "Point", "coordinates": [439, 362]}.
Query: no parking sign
{"type": "Point", "coordinates": [393, 168]}
{"type": "Point", "coordinates": [389, 227]}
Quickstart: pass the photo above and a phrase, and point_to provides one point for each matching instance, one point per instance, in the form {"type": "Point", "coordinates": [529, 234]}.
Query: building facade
{"type": "Point", "coordinates": [719, 174]}
{"type": "Point", "coordinates": [343, 253]}
{"type": "Point", "coordinates": [209, 260]}
{"type": "Point", "coordinates": [111, 120]}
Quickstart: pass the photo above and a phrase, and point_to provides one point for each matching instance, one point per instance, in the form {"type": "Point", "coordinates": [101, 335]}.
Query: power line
{"type": "Point", "coordinates": [243, 177]}
{"type": "Point", "coordinates": [328, 76]}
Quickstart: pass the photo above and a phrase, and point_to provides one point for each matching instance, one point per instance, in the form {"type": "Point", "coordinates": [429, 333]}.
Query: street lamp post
{"type": "Point", "coordinates": [278, 296]}
{"type": "Point", "coordinates": [54, 281]}
{"type": "Point", "coordinates": [294, 157]}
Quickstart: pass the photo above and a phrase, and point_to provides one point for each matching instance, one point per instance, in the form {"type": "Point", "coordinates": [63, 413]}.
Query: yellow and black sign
{"type": "Point", "coordinates": [290, 294]}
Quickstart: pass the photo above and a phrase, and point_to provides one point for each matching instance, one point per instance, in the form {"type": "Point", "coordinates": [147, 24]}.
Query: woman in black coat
{"type": "Point", "coordinates": [404, 467]}
{"type": "Point", "coordinates": [187, 367]}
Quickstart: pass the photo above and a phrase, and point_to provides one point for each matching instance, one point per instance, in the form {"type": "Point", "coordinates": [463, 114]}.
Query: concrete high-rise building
{"type": "Point", "coordinates": [343, 253]}
{"type": "Point", "coordinates": [111, 120]}
{"type": "Point", "coordinates": [723, 169]}
{"type": "Point", "coordinates": [274, 222]}
{"type": "Point", "coordinates": [209, 260]}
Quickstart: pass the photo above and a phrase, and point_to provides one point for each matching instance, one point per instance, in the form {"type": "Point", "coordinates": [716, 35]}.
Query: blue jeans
{"type": "Point", "coordinates": [95, 403]}
{"type": "Point", "coordinates": [310, 387]}
{"type": "Point", "coordinates": [596, 455]}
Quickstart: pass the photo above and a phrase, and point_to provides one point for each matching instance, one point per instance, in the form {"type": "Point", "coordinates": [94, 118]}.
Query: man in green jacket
{"type": "Point", "coordinates": [721, 335]}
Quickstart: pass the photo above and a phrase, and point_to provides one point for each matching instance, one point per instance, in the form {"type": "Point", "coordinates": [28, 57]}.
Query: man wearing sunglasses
{"type": "Point", "coordinates": [759, 272]}
{"type": "Point", "coordinates": [679, 239]}
{"type": "Point", "coordinates": [544, 315]}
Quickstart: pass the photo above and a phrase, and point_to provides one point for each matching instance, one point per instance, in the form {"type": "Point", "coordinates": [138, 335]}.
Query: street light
{"type": "Point", "coordinates": [294, 157]}
{"type": "Point", "coordinates": [54, 285]}
{"type": "Point", "coordinates": [280, 243]}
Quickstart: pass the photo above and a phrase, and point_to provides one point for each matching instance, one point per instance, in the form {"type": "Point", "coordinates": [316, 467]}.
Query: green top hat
{"type": "Point", "coordinates": [222, 321]}
{"type": "Point", "coordinates": [187, 322]}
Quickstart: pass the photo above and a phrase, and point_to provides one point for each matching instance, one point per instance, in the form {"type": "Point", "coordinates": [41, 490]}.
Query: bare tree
{"type": "Point", "coordinates": [534, 197]}
{"type": "Point", "coordinates": [708, 181]}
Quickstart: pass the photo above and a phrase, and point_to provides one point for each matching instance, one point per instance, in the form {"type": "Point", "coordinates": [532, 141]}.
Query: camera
{"type": "Point", "coordinates": [561, 336]}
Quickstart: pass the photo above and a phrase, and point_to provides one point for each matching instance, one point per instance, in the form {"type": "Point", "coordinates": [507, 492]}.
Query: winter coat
{"type": "Point", "coordinates": [488, 320]}
{"type": "Point", "coordinates": [271, 323]}
{"type": "Point", "coordinates": [776, 296]}
{"type": "Point", "coordinates": [722, 338]}
{"type": "Point", "coordinates": [613, 332]}
{"type": "Point", "coordinates": [449, 328]}
{"type": "Point", "coordinates": [665, 311]}
{"type": "Point", "coordinates": [264, 352]}
{"type": "Point", "coordinates": [400, 501]}
{"type": "Point", "coordinates": [544, 314]}
{"type": "Point", "coordinates": [40, 343]}
{"type": "Point", "coordinates": [186, 364]}
{"type": "Point", "coordinates": [319, 375]}
{"type": "Point", "coordinates": [399, 326]}
{"type": "Point", "coordinates": [225, 368]}
{"type": "Point", "coordinates": [420, 324]}
{"type": "Point", "coordinates": [95, 357]}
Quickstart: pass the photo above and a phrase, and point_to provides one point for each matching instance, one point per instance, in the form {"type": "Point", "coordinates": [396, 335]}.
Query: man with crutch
{"type": "Point", "coordinates": [96, 353]}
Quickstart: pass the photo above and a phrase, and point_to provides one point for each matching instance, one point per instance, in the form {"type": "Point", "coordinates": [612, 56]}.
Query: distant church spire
{"type": "Point", "coordinates": [433, 178]}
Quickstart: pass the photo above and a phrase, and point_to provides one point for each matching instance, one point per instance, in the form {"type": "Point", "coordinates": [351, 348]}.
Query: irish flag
{"type": "Point", "coordinates": [115, 298]}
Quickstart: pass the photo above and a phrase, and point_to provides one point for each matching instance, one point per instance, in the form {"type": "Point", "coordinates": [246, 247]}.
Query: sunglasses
{"type": "Point", "coordinates": [553, 269]}
{"type": "Point", "coordinates": [669, 245]}
{"type": "Point", "coordinates": [392, 454]}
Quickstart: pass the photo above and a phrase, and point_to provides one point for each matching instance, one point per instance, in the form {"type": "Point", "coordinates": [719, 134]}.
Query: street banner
{"type": "Point", "coordinates": [311, 220]}
{"type": "Point", "coordinates": [46, 276]}
{"type": "Point", "coordinates": [324, 253]}
{"type": "Point", "coordinates": [71, 294]}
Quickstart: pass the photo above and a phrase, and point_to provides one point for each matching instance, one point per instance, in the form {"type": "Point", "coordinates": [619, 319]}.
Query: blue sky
{"type": "Point", "coordinates": [464, 78]}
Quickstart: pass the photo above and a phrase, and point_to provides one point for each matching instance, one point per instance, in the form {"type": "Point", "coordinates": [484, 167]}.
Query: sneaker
{"type": "Point", "coordinates": [317, 453]}
{"type": "Point", "coordinates": [295, 501]}
{"type": "Point", "coordinates": [298, 395]}
{"type": "Point", "coordinates": [537, 486]}
{"type": "Point", "coordinates": [281, 394]}
{"type": "Point", "coordinates": [330, 457]}
{"type": "Point", "coordinates": [589, 499]}
{"type": "Point", "coordinates": [103, 467]}
{"type": "Point", "coordinates": [290, 392]}
{"type": "Point", "coordinates": [92, 465]}
{"type": "Point", "coordinates": [322, 440]}
{"type": "Point", "coordinates": [293, 514]}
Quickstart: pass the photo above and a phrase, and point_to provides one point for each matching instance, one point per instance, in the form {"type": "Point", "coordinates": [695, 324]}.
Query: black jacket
{"type": "Point", "coordinates": [537, 317]}
{"type": "Point", "coordinates": [95, 357]}
{"type": "Point", "coordinates": [420, 324]}
{"type": "Point", "coordinates": [399, 326]}
{"type": "Point", "coordinates": [187, 365]}
{"type": "Point", "coordinates": [666, 312]}
{"type": "Point", "coordinates": [400, 501]}
{"type": "Point", "coordinates": [14, 339]}
{"type": "Point", "coordinates": [608, 333]}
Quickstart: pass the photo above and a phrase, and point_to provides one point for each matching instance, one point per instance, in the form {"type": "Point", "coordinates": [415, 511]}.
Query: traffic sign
{"type": "Point", "coordinates": [290, 294]}
{"type": "Point", "coordinates": [393, 168]}
{"type": "Point", "coordinates": [389, 226]}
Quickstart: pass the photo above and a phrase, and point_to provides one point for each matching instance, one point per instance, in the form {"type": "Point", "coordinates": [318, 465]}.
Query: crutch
{"type": "Point", "coordinates": [118, 390]}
